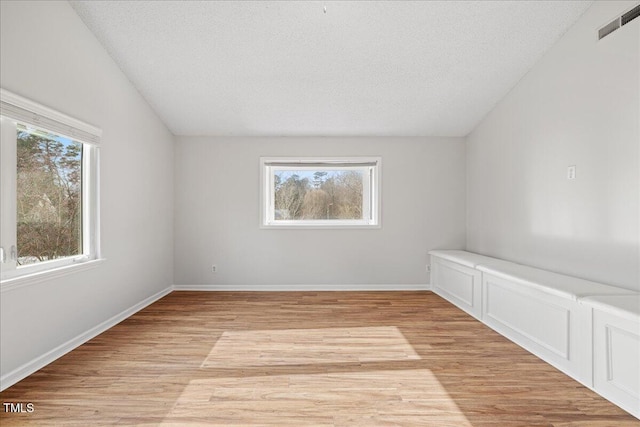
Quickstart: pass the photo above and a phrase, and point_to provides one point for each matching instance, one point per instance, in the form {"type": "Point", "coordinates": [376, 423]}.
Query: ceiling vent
{"type": "Point", "coordinates": [619, 22]}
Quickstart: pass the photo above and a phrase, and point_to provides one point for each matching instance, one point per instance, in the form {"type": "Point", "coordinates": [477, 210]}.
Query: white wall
{"type": "Point", "coordinates": [48, 55]}
{"type": "Point", "coordinates": [217, 214]}
{"type": "Point", "coordinates": [578, 106]}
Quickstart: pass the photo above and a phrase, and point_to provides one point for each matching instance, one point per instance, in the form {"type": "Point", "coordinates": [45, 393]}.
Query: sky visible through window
{"type": "Point", "coordinates": [306, 173]}
{"type": "Point", "coordinates": [308, 194]}
{"type": "Point", "coordinates": [49, 196]}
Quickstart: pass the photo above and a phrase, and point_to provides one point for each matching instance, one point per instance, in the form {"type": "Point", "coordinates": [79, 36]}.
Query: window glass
{"type": "Point", "coordinates": [309, 192]}
{"type": "Point", "coordinates": [48, 196]}
{"type": "Point", "coordinates": [318, 194]}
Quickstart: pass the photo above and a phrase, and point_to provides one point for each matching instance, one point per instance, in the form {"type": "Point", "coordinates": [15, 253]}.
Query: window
{"type": "Point", "coordinates": [48, 189]}
{"type": "Point", "coordinates": [319, 192]}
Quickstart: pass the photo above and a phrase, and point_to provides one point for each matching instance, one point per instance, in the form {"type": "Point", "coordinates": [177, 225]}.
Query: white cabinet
{"type": "Point", "coordinates": [588, 330]}
{"type": "Point", "coordinates": [454, 277]}
{"type": "Point", "coordinates": [616, 349]}
{"type": "Point", "coordinates": [550, 326]}
{"type": "Point", "coordinates": [540, 311]}
{"type": "Point", "coordinates": [459, 284]}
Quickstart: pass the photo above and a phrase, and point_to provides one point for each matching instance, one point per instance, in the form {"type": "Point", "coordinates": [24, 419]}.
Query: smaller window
{"type": "Point", "coordinates": [340, 192]}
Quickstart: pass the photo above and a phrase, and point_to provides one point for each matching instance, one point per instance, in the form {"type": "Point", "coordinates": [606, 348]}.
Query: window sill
{"type": "Point", "coordinates": [43, 276]}
{"type": "Point", "coordinates": [320, 227]}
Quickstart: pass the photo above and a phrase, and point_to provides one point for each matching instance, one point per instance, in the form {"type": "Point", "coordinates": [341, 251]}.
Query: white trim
{"type": "Point", "coordinates": [91, 201]}
{"type": "Point", "coordinates": [8, 185]}
{"type": "Point", "coordinates": [96, 245]}
{"type": "Point", "coordinates": [40, 362]}
{"type": "Point", "coordinates": [319, 225]}
{"type": "Point", "coordinates": [32, 113]}
{"type": "Point", "coordinates": [304, 287]}
{"type": "Point", "coordinates": [372, 190]}
{"type": "Point", "coordinates": [16, 108]}
{"type": "Point", "coordinates": [43, 266]}
{"type": "Point", "coordinates": [46, 275]}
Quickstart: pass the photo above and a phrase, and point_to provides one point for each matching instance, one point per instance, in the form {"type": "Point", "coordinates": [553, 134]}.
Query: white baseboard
{"type": "Point", "coordinates": [40, 362]}
{"type": "Point", "coordinates": [304, 287]}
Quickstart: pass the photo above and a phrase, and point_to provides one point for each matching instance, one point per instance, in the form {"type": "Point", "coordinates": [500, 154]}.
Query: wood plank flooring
{"type": "Point", "coordinates": [305, 358]}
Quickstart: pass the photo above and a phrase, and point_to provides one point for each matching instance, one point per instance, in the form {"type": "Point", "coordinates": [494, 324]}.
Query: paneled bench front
{"type": "Point", "coordinates": [566, 321]}
{"type": "Point", "coordinates": [455, 277]}
{"type": "Point", "coordinates": [539, 310]}
{"type": "Point", "coordinates": [616, 349]}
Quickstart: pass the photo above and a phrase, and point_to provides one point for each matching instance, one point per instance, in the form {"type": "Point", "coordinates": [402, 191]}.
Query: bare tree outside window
{"type": "Point", "coordinates": [320, 192]}
{"type": "Point", "coordinates": [49, 196]}
{"type": "Point", "coordinates": [318, 195]}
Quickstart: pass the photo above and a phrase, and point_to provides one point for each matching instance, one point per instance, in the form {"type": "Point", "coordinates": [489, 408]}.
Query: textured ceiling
{"type": "Point", "coordinates": [361, 68]}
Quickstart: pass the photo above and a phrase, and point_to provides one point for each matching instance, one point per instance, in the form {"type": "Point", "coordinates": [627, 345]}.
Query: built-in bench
{"type": "Point", "coordinates": [455, 277]}
{"type": "Point", "coordinates": [548, 314]}
{"type": "Point", "coordinates": [616, 348]}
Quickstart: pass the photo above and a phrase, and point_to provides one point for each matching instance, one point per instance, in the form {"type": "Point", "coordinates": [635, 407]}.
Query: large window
{"type": "Point", "coordinates": [319, 192]}
{"type": "Point", "coordinates": [48, 189]}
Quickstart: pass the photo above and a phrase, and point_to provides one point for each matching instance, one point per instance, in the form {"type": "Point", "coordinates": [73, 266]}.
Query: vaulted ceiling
{"type": "Point", "coordinates": [359, 68]}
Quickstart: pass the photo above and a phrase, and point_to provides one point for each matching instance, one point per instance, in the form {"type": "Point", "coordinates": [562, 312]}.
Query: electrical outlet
{"type": "Point", "coordinates": [571, 172]}
{"type": "Point", "coordinates": [428, 268]}
{"type": "Point", "coordinates": [214, 268]}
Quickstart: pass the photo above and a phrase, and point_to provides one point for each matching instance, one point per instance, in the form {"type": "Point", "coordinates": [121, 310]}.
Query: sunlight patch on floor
{"type": "Point", "coordinates": [397, 397]}
{"type": "Point", "coordinates": [236, 349]}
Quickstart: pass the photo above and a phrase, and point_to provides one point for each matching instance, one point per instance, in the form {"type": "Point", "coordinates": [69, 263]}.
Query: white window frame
{"type": "Point", "coordinates": [16, 109]}
{"type": "Point", "coordinates": [371, 197]}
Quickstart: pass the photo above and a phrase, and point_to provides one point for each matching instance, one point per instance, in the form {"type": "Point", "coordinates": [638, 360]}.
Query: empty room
{"type": "Point", "coordinates": [323, 213]}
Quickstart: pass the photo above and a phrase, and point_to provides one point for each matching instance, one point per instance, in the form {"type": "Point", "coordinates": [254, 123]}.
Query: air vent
{"type": "Point", "coordinates": [619, 22]}
{"type": "Point", "coordinates": [631, 15]}
{"type": "Point", "coordinates": [609, 28]}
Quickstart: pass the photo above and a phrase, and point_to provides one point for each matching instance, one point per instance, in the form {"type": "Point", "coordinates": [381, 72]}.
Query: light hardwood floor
{"type": "Point", "coordinates": [305, 358]}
